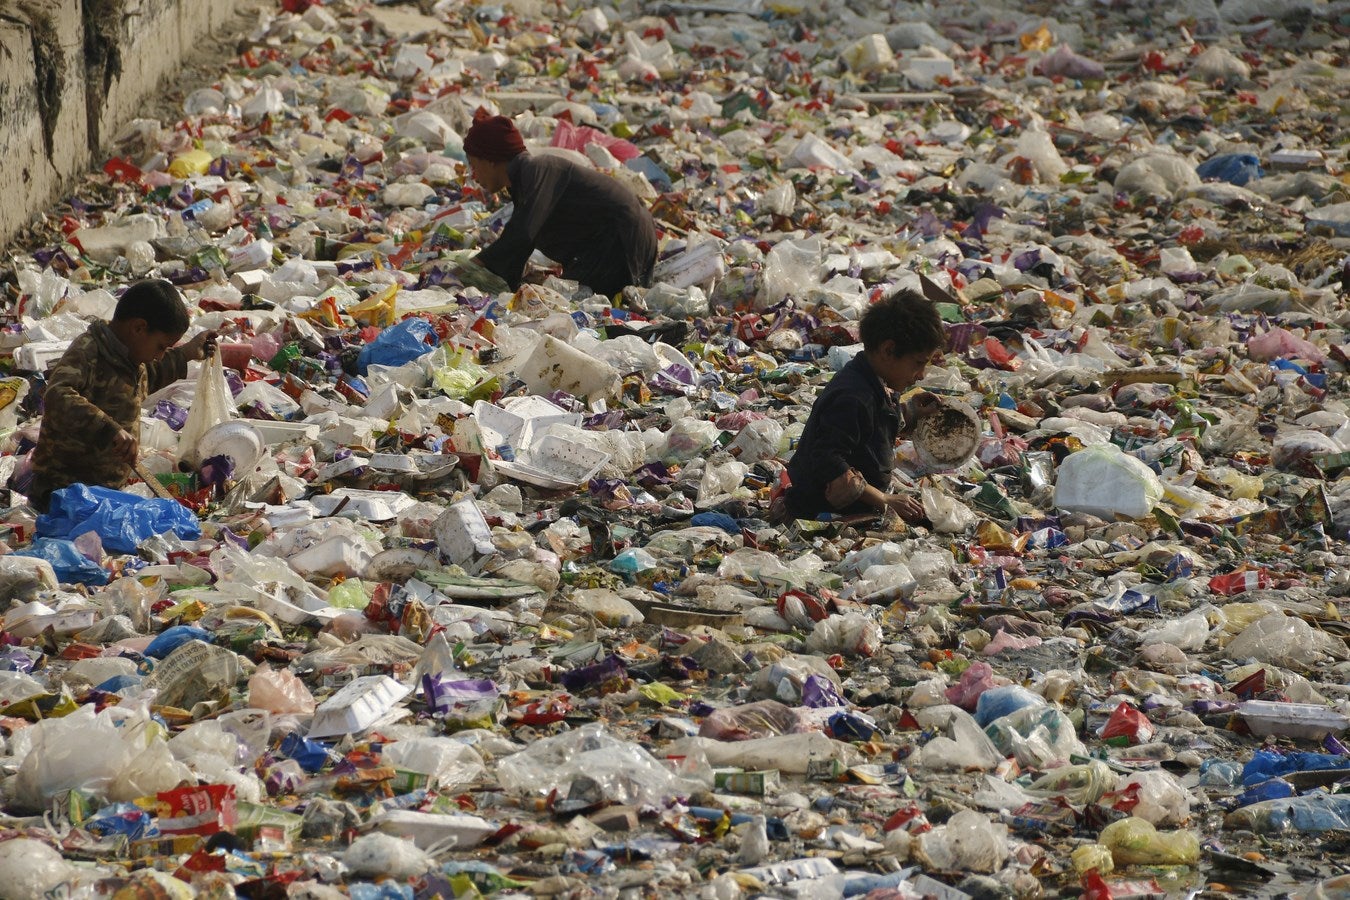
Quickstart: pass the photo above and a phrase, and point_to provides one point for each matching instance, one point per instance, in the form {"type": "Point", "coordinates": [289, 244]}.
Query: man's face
{"type": "Point", "coordinates": [491, 176]}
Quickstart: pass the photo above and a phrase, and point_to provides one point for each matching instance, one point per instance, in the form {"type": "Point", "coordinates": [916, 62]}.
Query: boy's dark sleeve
{"type": "Point", "coordinates": [535, 199]}
{"type": "Point", "coordinates": [68, 383]}
{"type": "Point", "coordinates": [165, 372]}
{"type": "Point", "coordinates": [842, 427]}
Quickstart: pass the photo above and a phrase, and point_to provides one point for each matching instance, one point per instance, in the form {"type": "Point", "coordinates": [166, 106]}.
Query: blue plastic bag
{"type": "Point", "coordinates": [1234, 168]}
{"type": "Point", "coordinates": [122, 521]}
{"type": "Point", "coordinates": [716, 520]}
{"type": "Point", "coordinates": [311, 755]}
{"type": "Point", "coordinates": [398, 344]}
{"type": "Point", "coordinates": [71, 566]}
{"type": "Point", "coordinates": [170, 639]}
{"type": "Point", "coordinates": [1266, 764]}
{"type": "Point", "coordinates": [998, 702]}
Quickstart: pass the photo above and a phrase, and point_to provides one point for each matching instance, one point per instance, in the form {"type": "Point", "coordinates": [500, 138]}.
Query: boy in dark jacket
{"type": "Point", "coordinates": [844, 458]}
{"type": "Point", "coordinates": [91, 418]}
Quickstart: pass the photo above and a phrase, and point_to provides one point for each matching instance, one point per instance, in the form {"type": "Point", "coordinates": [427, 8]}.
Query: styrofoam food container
{"type": "Point", "coordinates": [277, 433]}
{"type": "Point", "coordinates": [373, 506]}
{"type": "Point", "coordinates": [461, 531]}
{"type": "Point", "coordinates": [428, 829]}
{"type": "Point", "coordinates": [1309, 721]}
{"type": "Point", "coordinates": [519, 420]}
{"type": "Point", "coordinates": [554, 462]}
{"type": "Point", "coordinates": [358, 705]}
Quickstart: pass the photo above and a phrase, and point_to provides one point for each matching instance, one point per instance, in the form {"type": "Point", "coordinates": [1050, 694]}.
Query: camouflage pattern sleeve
{"type": "Point", "coordinates": [171, 368]}
{"type": "Point", "coordinates": [69, 384]}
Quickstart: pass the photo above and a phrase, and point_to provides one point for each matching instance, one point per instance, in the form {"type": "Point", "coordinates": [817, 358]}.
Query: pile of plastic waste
{"type": "Point", "coordinates": [432, 588]}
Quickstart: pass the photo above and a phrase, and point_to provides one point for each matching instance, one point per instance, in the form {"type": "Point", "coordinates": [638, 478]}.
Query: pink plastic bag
{"type": "Point", "coordinates": [1279, 343]}
{"type": "Point", "coordinates": [975, 680]}
{"type": "Point", "coordinates": [576, 137]}
{"type": "Point", "coordinates": [1004, 641]}
{"type": "Point", "coordinates": [278, 691]}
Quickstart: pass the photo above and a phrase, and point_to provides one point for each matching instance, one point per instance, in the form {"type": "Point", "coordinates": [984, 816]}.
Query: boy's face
{"type": "Point", "coordinates": [899, 372]}
{"type": "Point", "coordinates": [146, 345]}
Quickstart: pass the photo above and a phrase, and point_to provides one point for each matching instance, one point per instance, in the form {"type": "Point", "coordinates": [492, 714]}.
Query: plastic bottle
{"type": "Point", "coordinates": [1274, 789]}
{"type": "Point", "coordinates": [754, 843]}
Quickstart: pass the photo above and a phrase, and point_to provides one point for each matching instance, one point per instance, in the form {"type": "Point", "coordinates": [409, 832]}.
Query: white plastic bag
{"type": "Point", "coordinates": [118, 754]}
{"type": "Point", "coordinates": [211, 405]}
{"type": "Point", "coordinates": [948, 515]}
{"type": "Point", "coordinates": [792, 268]}
{"type": "Point", "coordinates": [1105, 481]}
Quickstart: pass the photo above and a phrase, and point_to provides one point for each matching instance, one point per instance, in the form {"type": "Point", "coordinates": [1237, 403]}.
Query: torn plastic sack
{"type": "Point", "coordinates": [408, 340]}
{"type": "Point", "coordinates": [279, 692]}
{"type": "Point", "coordinates": [116, 754]}
{"type": "Point", "coordinates": [621, 772]}
{"type": "Point", "coordinates": [121, 520]}
{"type": "Point", "coordinates": [68, 563]}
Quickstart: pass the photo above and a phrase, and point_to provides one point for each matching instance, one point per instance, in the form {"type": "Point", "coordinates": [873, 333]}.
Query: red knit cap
{"type": "Point", "coordinates": [493, 138]}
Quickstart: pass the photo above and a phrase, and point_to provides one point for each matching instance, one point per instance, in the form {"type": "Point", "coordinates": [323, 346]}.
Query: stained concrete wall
{"type": "Point", "coordinates": [73, 72]}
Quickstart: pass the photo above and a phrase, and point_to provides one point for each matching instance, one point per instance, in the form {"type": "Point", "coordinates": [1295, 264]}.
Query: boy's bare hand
{"type": "Point", "coordinates": [201, 346]}
{"type": "Point", "coordinates": [125, 446]}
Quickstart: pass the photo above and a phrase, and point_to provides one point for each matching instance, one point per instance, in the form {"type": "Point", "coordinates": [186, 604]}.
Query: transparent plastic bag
{"type": "Point", "coordinates": [1104, 481]}
{"type": "Point", "coordinates": [1285, 641]}
{"type": "Point", "coordinates": [279, 692]}
{"type": "Point", "coordinates": [689, 438]}
{"type": "Point", "coordinates": [764, 718]}
{"type": "Point", "coordinates": [792, 268]}
{"type": "Point", "coordinates": [623, 771]}
{"type": "Point", "coordinates": [757, 441]}
{"type": "Point", "coordinates": [1187, 633]}
{"type": "Point", "coordinates": [968, 842]}
{"type": "Point", "coordinates": [117, 754]}
{"type": "Point", "coordinates": [445, 760]}
{"type": "Point", "coordinates": [948, 514]}
{"type": "Point", "coordinates": [1155, 796]}
{"type": "Point", "coordinates": [1038, 737]}
{"type": "Point", "coordinates": [721, 476]}
{"type": "Point", "coordinates": [853, 634]}
{"type": "Point", "coordinates": [211, 405]}
{"type": "Point", "coordinates": [1135, 842]}
{"type": "Point", "coordinates": [962, 745]}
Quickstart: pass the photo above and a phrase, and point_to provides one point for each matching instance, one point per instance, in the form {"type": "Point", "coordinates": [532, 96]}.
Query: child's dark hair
{"type": "Point", "coordinates": [909, 319]}
{"type": "Point", "coordinates": [157, 302]}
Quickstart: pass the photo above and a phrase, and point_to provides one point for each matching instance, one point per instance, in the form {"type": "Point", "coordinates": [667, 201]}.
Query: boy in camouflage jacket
{"type": "Point", "coordinates": [91, 418]}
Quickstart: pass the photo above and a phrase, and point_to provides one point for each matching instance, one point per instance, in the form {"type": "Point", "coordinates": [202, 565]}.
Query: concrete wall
{"type": "Point", "coordinates": [72, 73]}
